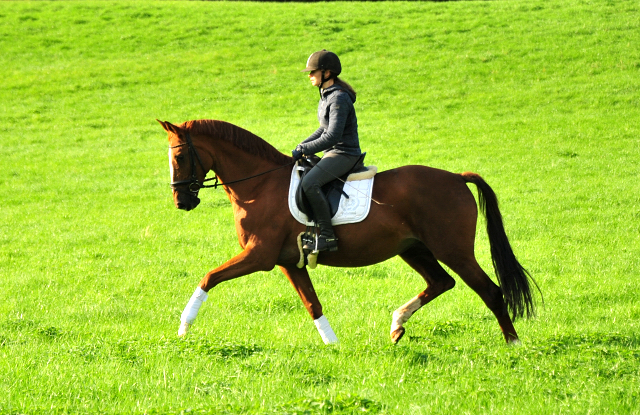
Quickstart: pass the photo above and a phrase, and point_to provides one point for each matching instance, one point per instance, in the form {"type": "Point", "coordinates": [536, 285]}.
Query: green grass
{"type": "Point", "coordinates": [96, 264]}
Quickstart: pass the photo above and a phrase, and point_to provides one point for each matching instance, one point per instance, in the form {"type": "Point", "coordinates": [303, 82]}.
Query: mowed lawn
{"type": "Point", "coordinates": [96, 264]}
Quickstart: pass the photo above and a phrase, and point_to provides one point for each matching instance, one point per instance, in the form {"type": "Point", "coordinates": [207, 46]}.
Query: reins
{"type": "Point", "coordinates": [195, 185]}
{"type": "Point", "coordinates": [217, 183]}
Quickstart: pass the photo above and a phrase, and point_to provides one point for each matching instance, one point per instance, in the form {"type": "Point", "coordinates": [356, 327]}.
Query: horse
{"type": "Point", "coordinates": [425, 215]}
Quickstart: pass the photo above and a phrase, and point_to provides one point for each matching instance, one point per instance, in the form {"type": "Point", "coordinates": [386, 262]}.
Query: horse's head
{"type": "Point", "coordinates": [185, 164]}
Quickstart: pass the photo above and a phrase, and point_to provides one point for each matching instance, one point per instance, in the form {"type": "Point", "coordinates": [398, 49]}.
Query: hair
{"type": "Point", "coordinates": [345, 85]}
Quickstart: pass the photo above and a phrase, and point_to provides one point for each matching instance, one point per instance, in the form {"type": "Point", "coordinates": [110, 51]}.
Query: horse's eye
{"type": "Point", "coordinates": [179, 158]}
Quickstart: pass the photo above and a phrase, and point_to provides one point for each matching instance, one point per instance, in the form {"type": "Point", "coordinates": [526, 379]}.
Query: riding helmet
{"type": "Point", "coordinates": [325, 60]}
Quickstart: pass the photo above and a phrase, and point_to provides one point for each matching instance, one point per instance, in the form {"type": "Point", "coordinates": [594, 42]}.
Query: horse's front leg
{"type": "Point", "coordinates": [249, 261]}
{"type": "Point", "coordinates": [300, 280]}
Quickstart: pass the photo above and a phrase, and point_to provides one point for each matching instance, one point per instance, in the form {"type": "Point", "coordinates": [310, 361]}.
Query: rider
{"type": "Point", "coordinates": [337, 137]}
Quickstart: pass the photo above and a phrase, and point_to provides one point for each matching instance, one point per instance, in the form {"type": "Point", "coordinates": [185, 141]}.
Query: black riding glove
{"type": "Point", "coordinates": [296, 154]}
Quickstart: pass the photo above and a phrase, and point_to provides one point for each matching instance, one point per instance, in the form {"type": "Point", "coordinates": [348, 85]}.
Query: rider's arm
{"type": "Point", "coordinates": [338, 112]}
{"type": "Point", "coordinates": [314, 136]}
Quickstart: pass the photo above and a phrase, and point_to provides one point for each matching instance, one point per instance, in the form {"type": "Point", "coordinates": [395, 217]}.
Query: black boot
{"type": "Point", "coordinates": [327, 240]}
{"type": "Point", "coordinates": [327, 243]}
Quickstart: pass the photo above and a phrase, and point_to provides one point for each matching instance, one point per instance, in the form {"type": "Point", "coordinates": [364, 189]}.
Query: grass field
{"type": "Point", "coordinates": [96, 264]}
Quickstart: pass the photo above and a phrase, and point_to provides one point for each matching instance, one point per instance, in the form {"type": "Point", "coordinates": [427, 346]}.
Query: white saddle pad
{"type": "Point", "coordinates": [352, 210]}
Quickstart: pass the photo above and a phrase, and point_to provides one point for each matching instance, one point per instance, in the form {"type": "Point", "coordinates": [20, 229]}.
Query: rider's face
{"type": "Point", "coordinates": [316, 76]}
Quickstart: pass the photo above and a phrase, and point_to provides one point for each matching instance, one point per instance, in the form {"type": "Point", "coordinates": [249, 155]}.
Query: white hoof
{"type": "Point", "coordinates": [184, 328]}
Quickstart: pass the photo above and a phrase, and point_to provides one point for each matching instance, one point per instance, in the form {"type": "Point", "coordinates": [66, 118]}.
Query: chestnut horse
{"type": "Point", "coordinates": [427, 216]}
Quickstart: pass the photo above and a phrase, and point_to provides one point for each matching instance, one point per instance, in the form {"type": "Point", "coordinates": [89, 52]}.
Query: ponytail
{"type": "Point", "coordinates": [345, 85]}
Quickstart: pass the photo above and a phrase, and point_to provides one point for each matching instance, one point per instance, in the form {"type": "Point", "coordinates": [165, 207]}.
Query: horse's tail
{"type": "Point", "coordinates": [513, 278]}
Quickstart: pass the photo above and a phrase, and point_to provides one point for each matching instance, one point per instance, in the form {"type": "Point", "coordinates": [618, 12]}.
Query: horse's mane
{"type": "Point", "coordinates": [237, 136]}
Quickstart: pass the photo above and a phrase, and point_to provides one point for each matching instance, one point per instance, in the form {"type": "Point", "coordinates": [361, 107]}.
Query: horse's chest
{"type": "Point", "coordinates": [242, 226]}
{"type": "Point", "coordinates": [247, 225]}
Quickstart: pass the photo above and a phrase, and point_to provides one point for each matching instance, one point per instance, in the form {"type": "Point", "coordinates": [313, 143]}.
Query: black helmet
{"type": "Point", "coordinates": [325, 60]}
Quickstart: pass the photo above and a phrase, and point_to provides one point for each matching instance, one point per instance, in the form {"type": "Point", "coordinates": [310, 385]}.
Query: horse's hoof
{"type": "Point", "coordinates": [184, 328]}
{"type": "Point", "coordinates": [397, 334]}
{"type": "Point", "coordinates": [514, 342]}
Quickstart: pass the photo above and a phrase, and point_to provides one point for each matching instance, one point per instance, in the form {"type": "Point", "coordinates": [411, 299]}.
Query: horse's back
{"type": "Point", "coordinates": [416, 181]}
{"type": "Point", "coordinates": [433, 203]}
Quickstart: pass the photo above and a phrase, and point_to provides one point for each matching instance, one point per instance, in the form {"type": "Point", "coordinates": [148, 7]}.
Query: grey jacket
{"type": "Point", "coordinates": [338, 130]}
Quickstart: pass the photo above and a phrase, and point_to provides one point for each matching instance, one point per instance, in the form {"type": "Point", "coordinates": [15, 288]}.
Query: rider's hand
{"type": "Point", "coordinates": [296, 154]}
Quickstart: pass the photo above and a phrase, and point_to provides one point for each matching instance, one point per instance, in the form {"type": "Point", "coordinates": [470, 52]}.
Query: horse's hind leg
{"type": "Point", "coordinates": [475, 277]}
{"type": "Point", "coordinates": [299, 278]}
{"type": "Point", "coordinates": [438, 281]}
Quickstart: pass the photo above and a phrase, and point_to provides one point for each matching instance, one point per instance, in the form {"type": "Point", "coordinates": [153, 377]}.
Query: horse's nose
{"type": "Point", "coordinates": [187, 202]}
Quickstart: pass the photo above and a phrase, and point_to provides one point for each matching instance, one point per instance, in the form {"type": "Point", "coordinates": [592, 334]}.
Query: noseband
{"type": "Point", "coordinates": [194, 184]}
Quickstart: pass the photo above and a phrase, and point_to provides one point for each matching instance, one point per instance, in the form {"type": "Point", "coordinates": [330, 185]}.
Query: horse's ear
{"type": "Point", "coordinates": [168, 127]}
{"type": "Point", "coordinates": [164, 126]}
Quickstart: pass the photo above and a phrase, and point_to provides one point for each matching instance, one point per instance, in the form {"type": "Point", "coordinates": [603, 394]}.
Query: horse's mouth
{"type": "Point", "coordinates": [186, 201]}
{"type": "Point", "coordinates": [183, 206]}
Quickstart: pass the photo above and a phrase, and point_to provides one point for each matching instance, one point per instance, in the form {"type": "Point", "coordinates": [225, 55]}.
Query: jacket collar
{"type": "Point", "coordinates": [331, 89]}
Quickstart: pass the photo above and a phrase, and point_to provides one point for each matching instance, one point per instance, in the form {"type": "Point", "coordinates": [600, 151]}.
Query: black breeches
{"type": "Point", "coordinates": [332, 165]}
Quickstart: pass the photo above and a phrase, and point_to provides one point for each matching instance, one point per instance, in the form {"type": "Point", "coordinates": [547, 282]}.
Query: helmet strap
{"type": "Point", "coordinates": [322, 81]}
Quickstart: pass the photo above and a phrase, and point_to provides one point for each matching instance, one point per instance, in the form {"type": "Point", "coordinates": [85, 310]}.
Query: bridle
{"type": "Point", "coordinates": [194, 184]}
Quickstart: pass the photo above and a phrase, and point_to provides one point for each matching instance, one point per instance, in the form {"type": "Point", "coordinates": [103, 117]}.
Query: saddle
{"type": "Point", "coordinates": [333, 190]}
{"type": "Point", "coordinates": [347, 204]}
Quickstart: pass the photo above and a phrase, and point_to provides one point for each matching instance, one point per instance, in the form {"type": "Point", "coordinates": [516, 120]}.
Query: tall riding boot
{"type": "Point", "coordinates": [327, 240]}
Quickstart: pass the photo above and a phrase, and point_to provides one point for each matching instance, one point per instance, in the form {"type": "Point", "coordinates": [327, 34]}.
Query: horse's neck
{"type": "Point", "coordinates": [233, 164]}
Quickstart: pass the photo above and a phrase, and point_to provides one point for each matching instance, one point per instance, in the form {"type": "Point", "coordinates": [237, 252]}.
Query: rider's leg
{"type": "Point", "coordinates": [321, 209]}
{"type": "Point", "coordinates": [332, 165]}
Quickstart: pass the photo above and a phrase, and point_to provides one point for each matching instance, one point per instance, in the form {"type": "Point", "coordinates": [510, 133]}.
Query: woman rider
{"type": "Point", "coordinates": [337, 137]}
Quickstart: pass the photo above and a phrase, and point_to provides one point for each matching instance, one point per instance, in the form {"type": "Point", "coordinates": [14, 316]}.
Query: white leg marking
{"type": "Point", "coordinates": [401, 315]}
{"type": "Point", "coordinates": [184, 328]}
{"type": "Point", "coordinates": [191, 310]}
{"type": "Point", "coordinates": [325, 330]}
